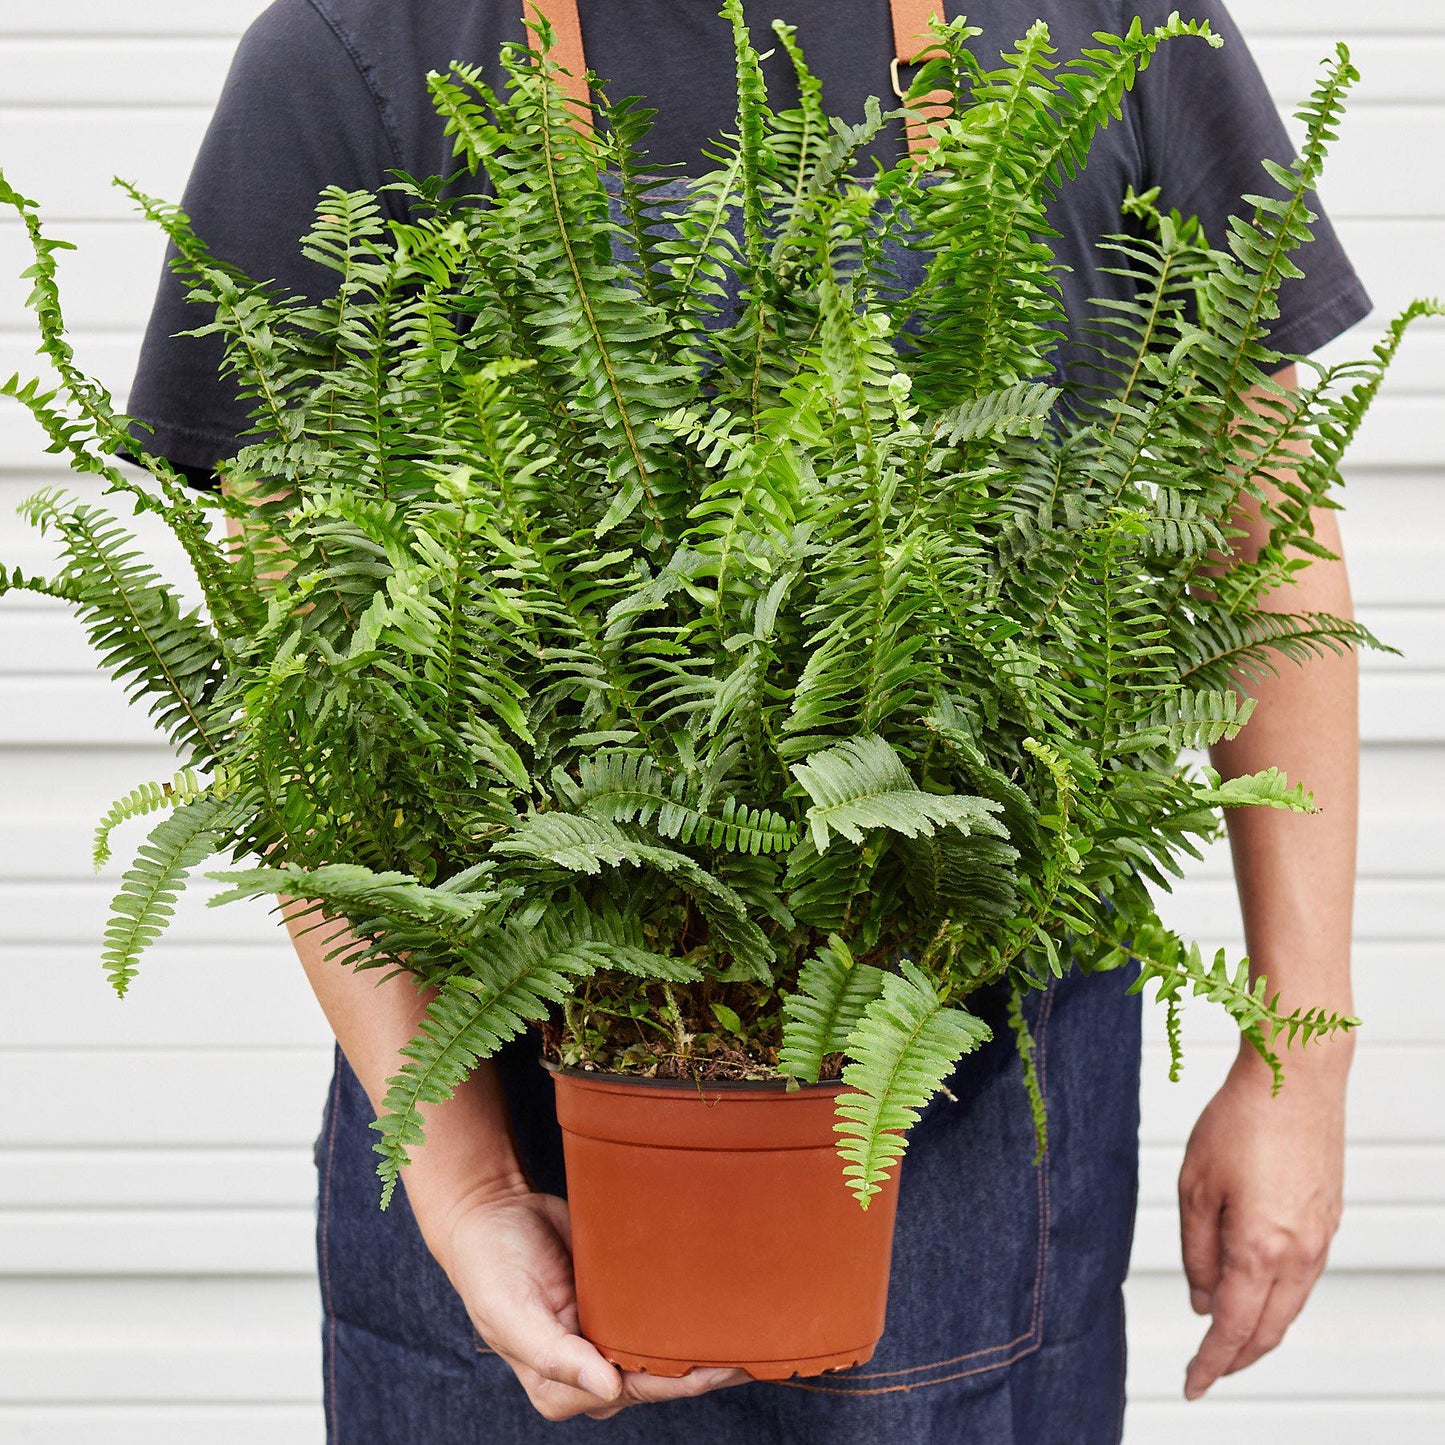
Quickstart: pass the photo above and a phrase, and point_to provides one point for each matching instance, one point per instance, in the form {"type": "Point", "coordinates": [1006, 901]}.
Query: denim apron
{"type": "Point", "coordinates": [1005, 1322]}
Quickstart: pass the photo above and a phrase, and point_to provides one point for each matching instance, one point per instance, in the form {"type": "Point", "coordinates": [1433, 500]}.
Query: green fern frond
{"type": "Point", "coordinates": [136, 622]}
{"type": "Point", "coordinates": [1268, 788]}
{"type": "Point", "coordinates": [1164, 958]}
{"type": "Point", "coordinates": [587, 845]}
{"type": "Point", "coordinates": [904, 1046]}
{"type": "Point", "coordinates": [862, 783]}
{"type": "Point", "coordinates": [141, 910]}
{"type": "Point", "coordinates": [1024, 1042]}
{"type": "Point", "coordinates": [185, 787]}
{"type": "Point", "coordinates": [628, 788]}
{"type": "Point", "coordinates": [820, 1015]}
{"type": "Point", "coordinates": [512, 977]}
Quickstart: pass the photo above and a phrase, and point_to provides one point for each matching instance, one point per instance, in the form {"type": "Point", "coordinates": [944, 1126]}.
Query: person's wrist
{"type": "Point", "coordinates": [1321, 1066]}
{"type": "Point", "coordinates": [438, 1206]}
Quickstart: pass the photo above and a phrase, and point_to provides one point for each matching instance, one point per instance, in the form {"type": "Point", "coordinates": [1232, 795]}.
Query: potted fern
{"type": "Point", "coordinates": [649, 625]}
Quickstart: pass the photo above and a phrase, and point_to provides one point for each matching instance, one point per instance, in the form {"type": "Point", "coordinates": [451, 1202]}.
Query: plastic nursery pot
{"type": "Point", "coordinates": [712, 1225]}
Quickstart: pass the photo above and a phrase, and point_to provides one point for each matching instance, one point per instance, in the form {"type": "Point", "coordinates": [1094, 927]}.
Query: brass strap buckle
{"type": "Point", "coordinates": [893, 65]}
{"type": "Point", "coordinates": [931, 53]}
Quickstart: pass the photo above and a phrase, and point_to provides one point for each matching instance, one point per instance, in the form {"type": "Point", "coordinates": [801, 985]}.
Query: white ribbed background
{"type": "Point", "coordinates": [156, 1267]}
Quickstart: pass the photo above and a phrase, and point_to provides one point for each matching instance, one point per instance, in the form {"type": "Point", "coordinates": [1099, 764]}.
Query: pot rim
{"type": "Point", "coordinates": [691, 1086]}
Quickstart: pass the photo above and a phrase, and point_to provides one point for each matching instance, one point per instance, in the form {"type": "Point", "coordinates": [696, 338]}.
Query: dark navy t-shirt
{"type": "Point", "coordinates": [333, 92]}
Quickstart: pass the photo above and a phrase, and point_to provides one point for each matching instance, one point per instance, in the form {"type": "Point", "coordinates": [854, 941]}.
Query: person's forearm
{"type": "Point", "coordinates": [469, 1153]}
{"type": "Point", "coordinates": [1295, 872]}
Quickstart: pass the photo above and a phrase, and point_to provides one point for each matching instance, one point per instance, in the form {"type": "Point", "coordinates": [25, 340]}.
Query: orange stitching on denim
{"type": "Point", "coordinates": [333, 1424]}
{"type": "Point", "coordinates": [939, 1364]}
{"type": "Point", "coordinates": [1040, 1270]}
{"type": "Point", "coordinates": [922, 1385]}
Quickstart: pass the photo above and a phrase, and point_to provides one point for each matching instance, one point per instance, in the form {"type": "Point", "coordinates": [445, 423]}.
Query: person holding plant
{"type": "Point", "coordinates": [451, 1317]}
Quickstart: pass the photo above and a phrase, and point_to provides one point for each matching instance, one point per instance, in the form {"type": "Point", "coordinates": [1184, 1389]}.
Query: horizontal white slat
{"type": "Point", "coordinates": [163, 18]}
{"type": "Point", "coordinates": [74, 912]}
{"type": "Point", "coordinates": [1328, 1422]}
{"type": "Point", "coordinates": [1383, 164]}
{"type": "Point", "coordinates": [92, 711]}
{"type": "Point", "coordinates": [1401, 432]}
{"type": "Point", "coordinates": [1333, 18]}
{"type": "Point", "coordinates": [1371, 1237]}
{"type": "Point", "coordinates": [255, 1241]}
{"type": "Point", "coordinates": [1398, 837]}
{"type": "Point", "coordinates": [227, 996]}
{"type": "Point", "coordinates": [76, 780]}
{"type": "Point", "coordinates": [258, 1424]}
{"type": "Point", "coordinates": [273, 1097]}
{"type": "Point", "coordinates": [65, 1177]}
{"type": "Point", "coordinates": [83, 72]}
{"type": "Point", "coordinates": [1359, 1337]}
{"type": "Point", "coordinates": [1395, 839]}
{"type": "Point", "coordinates": [208, 1178]}
{"type": "Point", "coordinates": [1397, 1093]}
{"type": "Point", "coordinates": [247, 1341]}
{"type": "Point", "coordinates": [1398, 910]}
{"type": "Point", "coordinates": [49, 641]}
{"type": "Point", "coordinates": [69, 1177]}
{"type": "Point", "coordinates": [269, 1097]}
{"type": "Point", "coordinates": [1395, 258]}
{"type": "Point", "coordinates": [1393, 70]}
{"type": "Point", "coordinates": [1375, 499]}
{"type": "Point", "coordinates": [251, 1242]}
{"type": "Point", "coordinates": [1411, 1174]}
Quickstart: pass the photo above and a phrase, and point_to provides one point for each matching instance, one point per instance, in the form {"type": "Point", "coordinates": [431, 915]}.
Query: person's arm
{"type": "Point", "coordinates": [505, 1248]}
{"type": "Point", "coordinates": [1260, 1190]}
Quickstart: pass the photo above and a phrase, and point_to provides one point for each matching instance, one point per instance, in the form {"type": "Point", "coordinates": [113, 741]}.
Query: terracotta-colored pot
{"type": "Point", "coordinates": [712, 1225]}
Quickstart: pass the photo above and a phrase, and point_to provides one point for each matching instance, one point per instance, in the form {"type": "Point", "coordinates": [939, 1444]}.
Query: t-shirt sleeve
{"type": "Point", "coordinates": [296, 113]}
{"type": "Point", "coordinates": [1206, 121]}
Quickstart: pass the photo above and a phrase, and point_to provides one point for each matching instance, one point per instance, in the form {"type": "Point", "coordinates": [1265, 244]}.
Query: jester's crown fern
{"type": "Point", "coordinates": [639, 593]}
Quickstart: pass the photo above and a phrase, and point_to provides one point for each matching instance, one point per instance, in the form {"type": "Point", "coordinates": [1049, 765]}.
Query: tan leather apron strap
{"type": "Point", "coordinates": [911, 42]}
{"type": "Point", "coordinates": [567, 51]}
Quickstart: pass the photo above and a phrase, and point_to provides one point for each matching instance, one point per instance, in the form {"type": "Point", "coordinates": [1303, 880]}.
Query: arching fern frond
{"type": "Point", "coordinates": [185, 787]}
{"type": "Point", "coordinates": [904, 1046]}
{"type": "Point", "coordinates": [862, 783]}
{"type": "Point", "coordinates": [143, 907]}
{"type": "Point", "coordinates": [137, 623]}
{"type": "Point", "coordinates": [628, 788]}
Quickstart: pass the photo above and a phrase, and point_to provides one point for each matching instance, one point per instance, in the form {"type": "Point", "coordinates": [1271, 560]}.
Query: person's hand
{"type": "Point", "coordinates": [509, 1257]}
{"type": "Point", "coordinates": [1260, 1198]}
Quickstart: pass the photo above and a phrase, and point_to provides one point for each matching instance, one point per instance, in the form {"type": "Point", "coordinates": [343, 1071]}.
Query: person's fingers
{"type": "Point", "coordinates": [541, 1342]}
{"type": "Point", "coordinates": [643, 1389]}
{"type": "Point", "coordinates": [1238, 1301]}
{"type": "Point", "coordinates": [559, 1399]}
{"type": "Point", "coordinates": [1301, 1268]}
{"type": "Point", "coordinates": [1199, 1239]}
